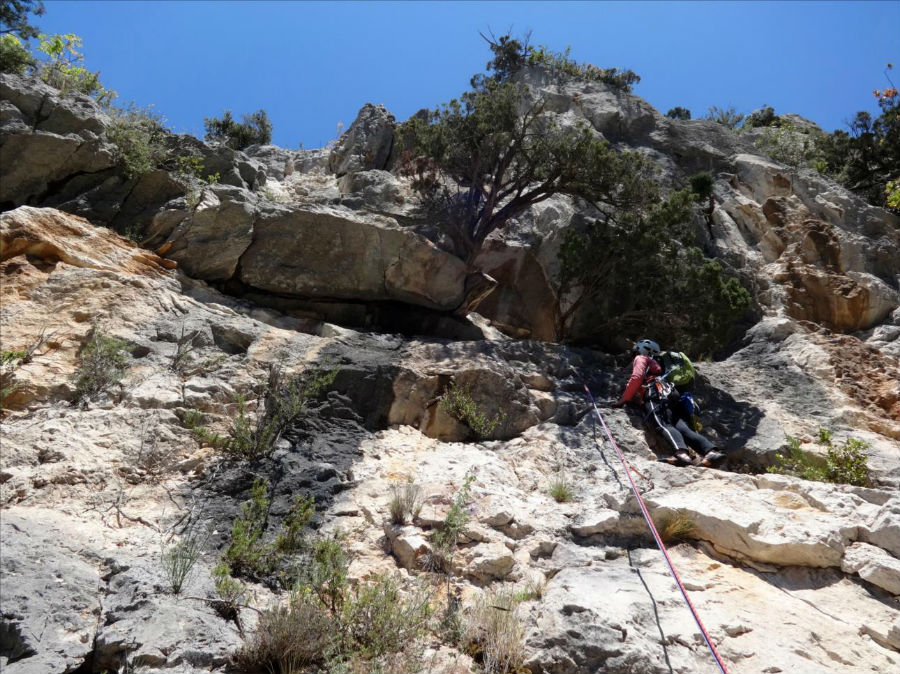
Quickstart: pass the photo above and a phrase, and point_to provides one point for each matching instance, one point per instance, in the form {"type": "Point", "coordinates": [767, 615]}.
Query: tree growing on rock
{"type": "Point", "coordinates": [495, 151]}
{"type": "Point", "coordinates": [679, 113]}
{"type": "Point", "coordinates": [255, 129]}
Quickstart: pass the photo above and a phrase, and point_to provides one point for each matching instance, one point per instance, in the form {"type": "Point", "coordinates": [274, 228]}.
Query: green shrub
{"type": "Point", "coordinates": [378, 619]}
{"type": "Point", "coordinates": [190, 165]}
{"type": "Point", "coordinates": [326, 572]}
{"type": "Point", "coordinates": [139, 136]}
{"type": "Point", "coordinates": [559, 62]}
{"type": "Point", "coordinates": [493, 634]}
{"type": "Point", "coordinates": [14, 57]}
{"type": "Point", "coordinates": [601, 260]}
{"type": "Point", "coordinates": [679, 113]}
{"type": "Point", "coordinates": [844, 464]}
{"type": "Point", "coordinates": [291, 637]}
{"type": "Point", "coordinates": [702, 185]}
{"type": "Point", "coordinates": [727, 117]}
{"type": "Point", "coordinates": [765, 116]}
{"type": "Point", "coordinates": [248, 553]}
{"type": "Point", "coordinates": [444, 540]}
{"type": "Point", "coordinates": [305, 634]}
{"type": "Point", "coordinates": [102, 364]}
{"type": "Point", "coordinates": [457, 401]}
{"type": "Point", "coordinates": [255, 129]}
{"type": "Point", "coordinates": [64, 68]}
{"type": "Point", "coordinates": [787, 144]}
{"type": "Point", "coordinates": [561, 489]}
{"type": "Point", "coordinates": [406, 502]}
{"type": "Point", "coordinates": [232, 593]}
{"type": "Point", "coordinates": [279, 405]}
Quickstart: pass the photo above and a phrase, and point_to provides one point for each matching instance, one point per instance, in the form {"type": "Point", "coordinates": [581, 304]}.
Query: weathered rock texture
{"type": "Point", "coordinates": [788, 575]}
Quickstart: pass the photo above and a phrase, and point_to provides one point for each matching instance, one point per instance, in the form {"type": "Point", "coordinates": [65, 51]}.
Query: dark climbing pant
{"type": "Point", "coordinates": [678, 436]}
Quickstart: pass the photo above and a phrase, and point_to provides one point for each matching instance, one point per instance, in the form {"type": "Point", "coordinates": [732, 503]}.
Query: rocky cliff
{"type": "Point", "coordinates": [324, 259]}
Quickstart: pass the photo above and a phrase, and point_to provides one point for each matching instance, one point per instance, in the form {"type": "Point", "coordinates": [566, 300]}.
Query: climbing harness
{"type": "Point", "coordinates": [656, 536]}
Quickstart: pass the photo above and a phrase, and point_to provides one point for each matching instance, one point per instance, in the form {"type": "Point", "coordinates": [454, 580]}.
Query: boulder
{"type": "Point", "coordinates": [873, 565]}
{"type": "Point", "coordinates": [330, 253]}
{"type": "Point", "coordinates": [209, 240]}
{"type": "Point", "coordinates": [367, 143]}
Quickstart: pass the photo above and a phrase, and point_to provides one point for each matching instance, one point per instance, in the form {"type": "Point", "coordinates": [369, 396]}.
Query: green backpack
{"type": "Point", "coordinates": [678, 367]}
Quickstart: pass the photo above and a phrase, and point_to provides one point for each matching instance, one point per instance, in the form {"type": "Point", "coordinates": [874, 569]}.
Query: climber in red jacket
{"type": "Point", "coordinates": [663, 410]}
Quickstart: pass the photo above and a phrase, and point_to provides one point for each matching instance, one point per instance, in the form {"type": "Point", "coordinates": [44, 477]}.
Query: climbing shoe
{"type": "Point", "coordinates": [712, 457]}
{"type": "Point", "coordinates": [683, 458]}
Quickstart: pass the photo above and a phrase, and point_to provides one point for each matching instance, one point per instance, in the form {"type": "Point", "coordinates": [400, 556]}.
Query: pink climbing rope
{"type": "Point", "coordinates": [656, 537]}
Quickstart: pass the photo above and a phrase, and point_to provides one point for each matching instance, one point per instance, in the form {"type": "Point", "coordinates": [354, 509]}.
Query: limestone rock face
{"type": "Point", "coordinates": [367, 143]}
{"type": "Point", "coordinates": [59, 237]}
{"type": "Point", "coordinates": [787, 574]}
{"type": "Point", "coordinates": [326, 253]}
{"type": "Point", "coordinates": [47, 139]}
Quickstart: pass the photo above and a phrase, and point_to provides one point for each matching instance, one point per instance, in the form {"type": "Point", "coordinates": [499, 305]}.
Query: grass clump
{"type": "Point", "coordinates": [406, 502]}
{"type": "Point", "coordinates": [493, 634]}
{"type": "Point", "coordinates": [178, 560]}
{"type": "Point", "coordinates": [561, 489]}
{"type": "Point", "coordinates": [676, 527]}
{"type": "Point", "coordinates": [843, 464]}
{"type": "Point", "coordinates": [102, 364]}
{"type": "Point", "coordinates": [457, 401]}
{"type": "Point", "coordinates": [534, 588]}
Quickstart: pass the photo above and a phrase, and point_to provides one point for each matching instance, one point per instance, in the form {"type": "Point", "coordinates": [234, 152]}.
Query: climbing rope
{"type": "Point", "coordinates": [656, 536]}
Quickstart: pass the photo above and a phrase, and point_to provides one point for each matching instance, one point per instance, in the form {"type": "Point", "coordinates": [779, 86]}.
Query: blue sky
{"type": "Point", "coordinates": [312, 65]}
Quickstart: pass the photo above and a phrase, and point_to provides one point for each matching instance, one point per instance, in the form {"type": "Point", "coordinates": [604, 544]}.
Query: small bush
{"type": "Point", "coordinates": [679, 113]}
{"type": "Point", "coordinates": [255, 129]}
{"type": "Point", "coordinates": [444, 540]}
{"type": "Point", "coordinates": [493, 634]}
{"type": "Point", "coordinates": [64, 68]}
{"type": "Point", "coordinates": [379, 620]}
{"type": "Point", "coordinates": [247, 552]}
{"type": "Point", "coordinates": [561, 63]}
{"type": "Point", "coordinates": [561, 489]}
{"type": "Point", "coordinates": [14, 57]}
{"type": "Point", "coordinates": [102, 363]}
{"type": "Point", "coordinates": [190, 165]}
{"type": "Point", "coordinates": [279, 405]}
{"type": "Point", "coordinates": [676, 527]}
{"type": "Point", "coordinates": [702, 185]}
{"type": "Point", "coordinates": [375, 620]}
{"type": "Point", "coordinates": [406, 502]}
{"type": "Point", "coordinates": [288, 638]}
{"type": "Point", "coordinates": [232, 593]}
{"type": "Point", "coordinates": [139, 136]}
{"type": "Point", "coordinates": [727, 117]}
{"type": "Point", "coordinates": [845, 464]}
{"type": "Point", "coordinates": [178, 560]}
{"type": "Point", "coordinates": [457, 401]}
{"type": "Point", "coordinates": [326, 572]}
